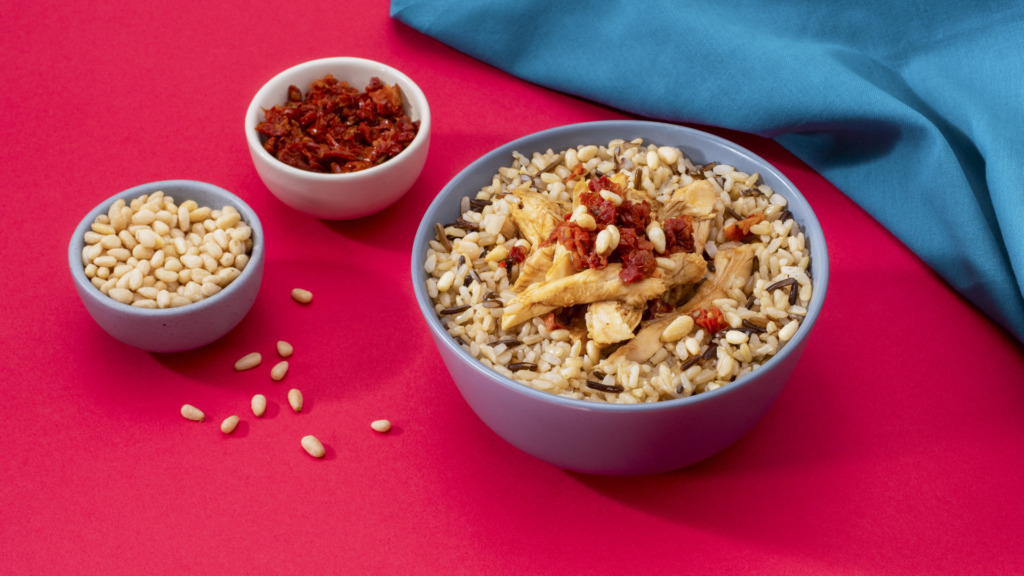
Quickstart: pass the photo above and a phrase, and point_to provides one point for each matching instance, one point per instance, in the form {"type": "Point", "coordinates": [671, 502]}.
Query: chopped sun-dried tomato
{"type": "Point", "coordinates": [603, 183]}
{"type": "Point", "coordinates": [710, 319]}
{"type": "Point", "coordinates": [637, 265]}
{"type": "Point", "coordinates": [738, 231]}
{"type": "Point", "coordinates": [577, 171]}
{"type": "Point", "coordinates": [336, 128]}
{"type": "Point", "coordinates": [554, 320]}
{"type": "Point", "coordinates": [602, 210]}
{"type": "Point", "coordinates": [516, 254]}
{"type": "Point", "coordinates": [656, 307]}
{"type": "Point", "coordinates": [678, 234]}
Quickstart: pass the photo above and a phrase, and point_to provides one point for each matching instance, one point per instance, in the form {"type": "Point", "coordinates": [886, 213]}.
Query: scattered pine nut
{"type": "Point", "coordinates": [381, 426]}
{"type": "Point", "coordinates": [284, 349]}
{"type": "Point", "coordinates": [192, 413]}
{"type": "Point", "coordinates": [279, 370]}
{"type": "Point", "coordinates": [295, 399]}
{"type": "Point", "coordinates": [259, 405]}
{"type": "Point", "coordinates": [313, 447]}
{"type": "Point", "coordinates": [229, 424]}
{"type": "Point", "coordinates": [302, 296]}
{"type": "Point", "coordinates": [248, 361]}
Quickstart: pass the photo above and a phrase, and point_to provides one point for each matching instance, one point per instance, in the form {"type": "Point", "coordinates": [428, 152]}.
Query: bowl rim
{"type": "Point", "coordinates": [77, 243]}
{"type": "Point", "coordinates": [410, 90]}
{"type": "Point", "coordinates": [694, 138]}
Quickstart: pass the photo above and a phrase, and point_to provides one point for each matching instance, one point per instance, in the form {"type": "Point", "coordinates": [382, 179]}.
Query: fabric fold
{"type": "Point", "coordinates": [913, 109]}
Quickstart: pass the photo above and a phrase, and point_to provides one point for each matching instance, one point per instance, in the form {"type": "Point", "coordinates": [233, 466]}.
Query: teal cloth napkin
{"type": "Point", "coordinates": [914, 109]}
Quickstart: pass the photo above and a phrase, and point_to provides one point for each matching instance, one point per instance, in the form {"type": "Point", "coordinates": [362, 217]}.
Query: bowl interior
{"type": "Point", "coordinates": [701, 148]}
{"type": "Point", "coordinates": [205, 195]}
{"type": "Point", "coordinates": [358, 72]}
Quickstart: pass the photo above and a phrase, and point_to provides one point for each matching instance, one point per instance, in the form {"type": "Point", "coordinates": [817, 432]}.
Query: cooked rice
{"type": "Point", "coordinates": [558, 363]}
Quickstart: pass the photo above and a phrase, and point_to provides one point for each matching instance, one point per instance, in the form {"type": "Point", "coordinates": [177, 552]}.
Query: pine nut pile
{"type": "Point", "coordinates": [472, 281]}
{"type": "Point", "coordinates": [154, 253]}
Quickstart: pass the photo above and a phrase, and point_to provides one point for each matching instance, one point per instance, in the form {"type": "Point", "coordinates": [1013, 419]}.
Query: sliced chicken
{"type": "Point", "coordinates": [732, 267]}
{"type": "Point", "coordinates": [611, 321]}
{"type": "Point", "coordinates": [535, 267]}
{"type": "Point", "coordinates": [589, 286]}
{"type": "Point", "coordinates": [696, 199]}
{"type": "Point", "coordinates": [537, 216]}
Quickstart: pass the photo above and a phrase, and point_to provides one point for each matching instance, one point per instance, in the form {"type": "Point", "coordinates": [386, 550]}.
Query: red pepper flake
{"type": "Point", "coordinates": [710, 319]}
{"type": "Point", "coordinates": [336, 128]}
{"type": "Point", "coordinates": [738, 231]}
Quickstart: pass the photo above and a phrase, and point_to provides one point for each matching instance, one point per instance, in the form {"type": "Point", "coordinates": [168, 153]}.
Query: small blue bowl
{"type": "Point", "coordinates": [173, 329]}
{"type": "Point", "coordinates": [619, 439]}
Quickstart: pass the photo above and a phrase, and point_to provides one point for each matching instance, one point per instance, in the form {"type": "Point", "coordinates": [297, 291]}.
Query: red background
{"type": "Point", "coordinates": [897, 447]}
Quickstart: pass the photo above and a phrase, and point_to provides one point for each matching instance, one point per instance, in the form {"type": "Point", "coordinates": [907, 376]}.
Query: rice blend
{"type": "Point", "coordinates": [747, 292]}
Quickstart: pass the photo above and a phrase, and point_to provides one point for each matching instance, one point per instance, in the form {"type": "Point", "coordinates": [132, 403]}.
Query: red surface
{"type": "Point", "coordinates": [898, 446]}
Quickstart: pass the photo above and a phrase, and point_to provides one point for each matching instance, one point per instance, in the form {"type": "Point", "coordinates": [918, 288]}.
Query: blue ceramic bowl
{"type": "Point", "coordinates": [615, 439]}
{"type": "Point", "coordinates": [173, 329]}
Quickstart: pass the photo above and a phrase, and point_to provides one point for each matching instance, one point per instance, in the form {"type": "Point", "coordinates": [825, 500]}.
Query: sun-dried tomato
{"type": "Point", "coordinates": [557, 319]}
{"type": "Point", "coordinates": [602, 210]}
{"type": "Point", "coordinates": [637, 265]}
{"type": "Point", "coordinates": [678, 234]}
{"type": "Point", "coordinates": [336, 128]}
{"type": "Point", "coordinates": [710, 319]}
{"type": "Point", "coordinates": [738, 231]}
{"type": "Point", "coordinates": [577, 171]}
{"type": "Point", "coordinates": [516, 254]}
{"type": "Point", "coordinates": [633, 215]}
{"type": "Point", "coordinates": [603, 183]}
{"type": "Point", "coordinates": [656, 307]}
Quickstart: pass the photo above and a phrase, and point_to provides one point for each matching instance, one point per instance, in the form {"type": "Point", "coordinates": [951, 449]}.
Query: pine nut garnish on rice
{"type": "Point", "coordinates": [620, 273]}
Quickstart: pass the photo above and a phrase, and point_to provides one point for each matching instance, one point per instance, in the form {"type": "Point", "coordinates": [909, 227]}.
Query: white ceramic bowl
{"type": "Point", "coordinates": [349, 195]}
{"type": "Point", "coordinates": [186, 327]}
{"type": "Point", "coordinates": [618, 439]}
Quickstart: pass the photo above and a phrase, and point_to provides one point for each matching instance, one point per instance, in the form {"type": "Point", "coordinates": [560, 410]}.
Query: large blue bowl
{"type": "Point", "coordinates": [616, 439]}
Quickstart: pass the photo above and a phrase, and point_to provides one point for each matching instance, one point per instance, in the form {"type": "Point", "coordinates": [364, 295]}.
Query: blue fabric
{"type": "Point", "coordinates": [913, 109]}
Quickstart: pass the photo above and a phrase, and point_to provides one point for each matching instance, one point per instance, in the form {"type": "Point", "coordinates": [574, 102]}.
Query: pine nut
{"type": "Point", "coordinates": [668, 155]}
{"type": "Point", "coordinates": [302, 296]}
{"type": "Point", "coordinates": [657, 237]}
{"type": "Point", "coordinates": [259, 405]}
{"type": "Point", "coordinates": [229, 424]}
{"type": "Point", "coordinates": [284, 349]}
{"type": "Point", "coordinates": [295, 399]}
{"type": "Point", "coordinates": [381, 426]}
{"type": "Point", "coordinates": [192, 413]}
{"type": "Point", "coordinates": [313, 446]}
{"type": "Point", "coordinates": [677, 329]}
{"type": "Point", "coordinates": [277, 373]}
{"type": "Point", "coordinates": [248, 361]}
{"type": "Point", "coordinates": [653, 160]}
{"type": "Point", "coordinates": [602, 245]}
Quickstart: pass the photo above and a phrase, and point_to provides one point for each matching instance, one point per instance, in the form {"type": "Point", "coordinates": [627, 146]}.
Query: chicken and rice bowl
{"type": "Point", "coordinates": [620, 273]}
